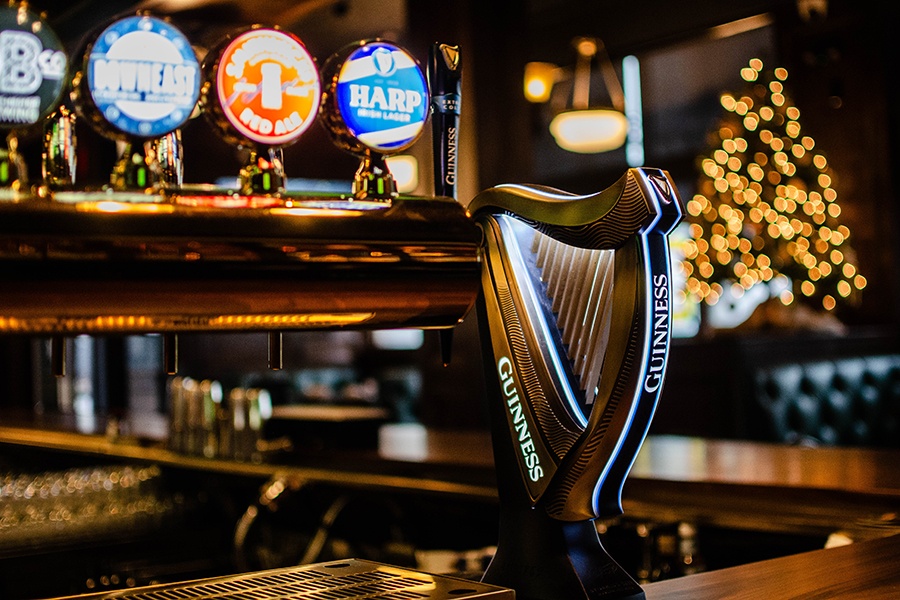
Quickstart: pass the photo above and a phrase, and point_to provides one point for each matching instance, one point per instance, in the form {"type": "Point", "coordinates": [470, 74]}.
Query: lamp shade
{"type": "Point", "coordinates": [588, 131]}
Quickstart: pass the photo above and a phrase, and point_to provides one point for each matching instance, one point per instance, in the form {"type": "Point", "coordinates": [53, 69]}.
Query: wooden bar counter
{"type": "Point", "coordinates": [766, 487]}
{"type": "Point", "coordinates": [867, 570]}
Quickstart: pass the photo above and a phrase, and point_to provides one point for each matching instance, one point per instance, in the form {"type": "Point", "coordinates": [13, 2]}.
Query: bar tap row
{"type": "Point", "coordinates": [139, 81]}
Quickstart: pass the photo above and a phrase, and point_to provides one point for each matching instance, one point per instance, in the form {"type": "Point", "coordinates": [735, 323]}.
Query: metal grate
{"type": "Point", "coordinates": [340, 580]}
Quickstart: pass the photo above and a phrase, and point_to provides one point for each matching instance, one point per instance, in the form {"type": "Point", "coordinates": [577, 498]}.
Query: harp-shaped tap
{"type": "Point", "coordinates": [575, 323]}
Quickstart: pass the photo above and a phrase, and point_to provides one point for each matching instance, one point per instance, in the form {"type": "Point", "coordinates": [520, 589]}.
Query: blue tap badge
{"type": "Point", "coordinates": [32, 67]}
{"type": "Point", "coordinates": [382, 96]}
{"type": "Point", "coordinates": [143, 76]}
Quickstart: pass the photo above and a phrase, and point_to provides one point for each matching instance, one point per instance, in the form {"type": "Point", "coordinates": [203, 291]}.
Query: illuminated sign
{"type": "Point", "coordinates": [268, 86]}
{"type": "Point", "coordinates": [143, 76]}
{"type": "Point", "coordinates": [32, 67]}
{"type": "Point", "coordinates": [382, 96]}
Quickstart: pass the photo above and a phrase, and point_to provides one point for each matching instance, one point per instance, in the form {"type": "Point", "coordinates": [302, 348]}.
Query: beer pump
{"type": "Point", "coordinates": [32, 82]}
{"type": "Point", "coordinates": [375, 104]}
{"type": "Point", "coordinates": [138, 83]}
{"type": "Point", "coordinates": [575, 320]}
{"type": "Point", "coordinates": [261, 92]}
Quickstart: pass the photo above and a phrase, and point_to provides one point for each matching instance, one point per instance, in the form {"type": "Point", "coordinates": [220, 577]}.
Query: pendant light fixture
{"type": "Point", "coordinates": [582, 128]}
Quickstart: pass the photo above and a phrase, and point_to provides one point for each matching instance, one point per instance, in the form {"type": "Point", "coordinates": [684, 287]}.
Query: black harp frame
{"type": "Point", "coordinates": [562, 462]}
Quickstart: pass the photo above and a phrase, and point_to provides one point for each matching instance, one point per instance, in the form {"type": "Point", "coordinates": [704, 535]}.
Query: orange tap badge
{"type": "Point", "coordinates": [268, 86]}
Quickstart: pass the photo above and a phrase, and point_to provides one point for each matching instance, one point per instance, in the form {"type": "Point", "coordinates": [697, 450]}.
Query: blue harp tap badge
{"type": "Point", "coordinates": [376, 104]}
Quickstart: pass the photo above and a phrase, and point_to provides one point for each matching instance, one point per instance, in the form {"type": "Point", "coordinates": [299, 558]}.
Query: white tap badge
{"type": "Point", "coordinates": [143, 76]}
{"type": "Point", "coordinates": [32, 68]}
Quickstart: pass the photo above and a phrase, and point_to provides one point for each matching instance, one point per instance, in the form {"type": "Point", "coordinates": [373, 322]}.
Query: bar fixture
{"type": "Point", "coordinates": [32, 81]}
{"type": "Point", "coordinates": [375, 104]}
{"type": "Point", "coordinates": [115, 93]}
{"type": "Point", "coordinates": [261, 92]}
{"type": "Point", "coordinates": [582, 128]}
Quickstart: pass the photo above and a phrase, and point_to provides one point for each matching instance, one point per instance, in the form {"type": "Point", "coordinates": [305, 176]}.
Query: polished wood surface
{"type": "Point", "coordinates": [684, 459]}
{"type": "Point", "coordinates": [867, 570]}
{"type": "Point", "coordinates": [766, 487]}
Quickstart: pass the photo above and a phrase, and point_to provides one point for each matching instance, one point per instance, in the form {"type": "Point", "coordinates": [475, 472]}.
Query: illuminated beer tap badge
{"type": "Point", "coordinates": [32, 67]}
{"type": "Point", "coordinates": [382, 96]}
{"type": "Point", "coordinates": [268, 86]}
{"type": "Point", "coordinates": [143, 76]}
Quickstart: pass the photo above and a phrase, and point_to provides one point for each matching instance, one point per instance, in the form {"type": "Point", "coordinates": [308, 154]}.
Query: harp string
{"type": "Point", "coordinates": [578, 283]}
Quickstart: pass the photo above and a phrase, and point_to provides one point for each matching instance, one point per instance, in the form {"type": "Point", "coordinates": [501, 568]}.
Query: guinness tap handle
{"type": "Point", "coordinates": [444, 78]}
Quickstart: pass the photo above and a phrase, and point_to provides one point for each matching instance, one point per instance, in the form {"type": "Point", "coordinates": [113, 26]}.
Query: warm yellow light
{"type": "Point", "coordinates": [694, 208]}
{"type": "Point", "coordinates": [590, 130]}
{"type": "Point", "coordinates": [405, 169]}
{"type": "Point", "coordinates": [539, 80]}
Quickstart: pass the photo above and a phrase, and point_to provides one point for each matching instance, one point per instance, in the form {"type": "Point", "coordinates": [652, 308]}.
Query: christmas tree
{"type": "Point", "coordinates": [766, 211]}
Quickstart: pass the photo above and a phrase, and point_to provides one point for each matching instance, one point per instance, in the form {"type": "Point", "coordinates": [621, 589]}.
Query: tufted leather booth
{"type": "Point", "coordinates": [845, 402]}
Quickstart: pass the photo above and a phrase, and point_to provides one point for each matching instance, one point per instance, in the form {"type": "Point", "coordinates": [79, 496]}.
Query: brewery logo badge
{"type": "Point", "coordinates": [268, 86]}
{"type": "Point", "coordinates": [143, 76]}
{"type": "Point", "coordinates": [32, 67]}
{"type": "Point", "coordinates": [382, 96]}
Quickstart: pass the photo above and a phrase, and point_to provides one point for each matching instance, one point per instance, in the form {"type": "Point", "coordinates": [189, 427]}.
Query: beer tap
{"type": "Point", "coordinates": [374, 105]}
{"type": "Point", "coordinates": [31, 86]}
{"type": "Point", "coordinates": [139, 84]}
{"type": "Point", "coordinates": [59, 158]}
{"type": "Point", "coordinates": [444, 78]}
{"type": "Point", "coordinates": [261, 92]}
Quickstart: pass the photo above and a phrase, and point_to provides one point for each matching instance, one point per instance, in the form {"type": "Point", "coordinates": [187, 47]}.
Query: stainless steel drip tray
{"type": "Point", "coordinates": [338, 580]}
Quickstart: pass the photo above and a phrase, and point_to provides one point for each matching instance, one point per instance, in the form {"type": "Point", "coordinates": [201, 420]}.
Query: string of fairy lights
{"type": "Point", "coordinates": [765, 210]}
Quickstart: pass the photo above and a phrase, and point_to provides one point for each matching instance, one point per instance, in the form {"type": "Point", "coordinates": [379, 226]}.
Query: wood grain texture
{"type": "Point", "coordinates": [867, 570]}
